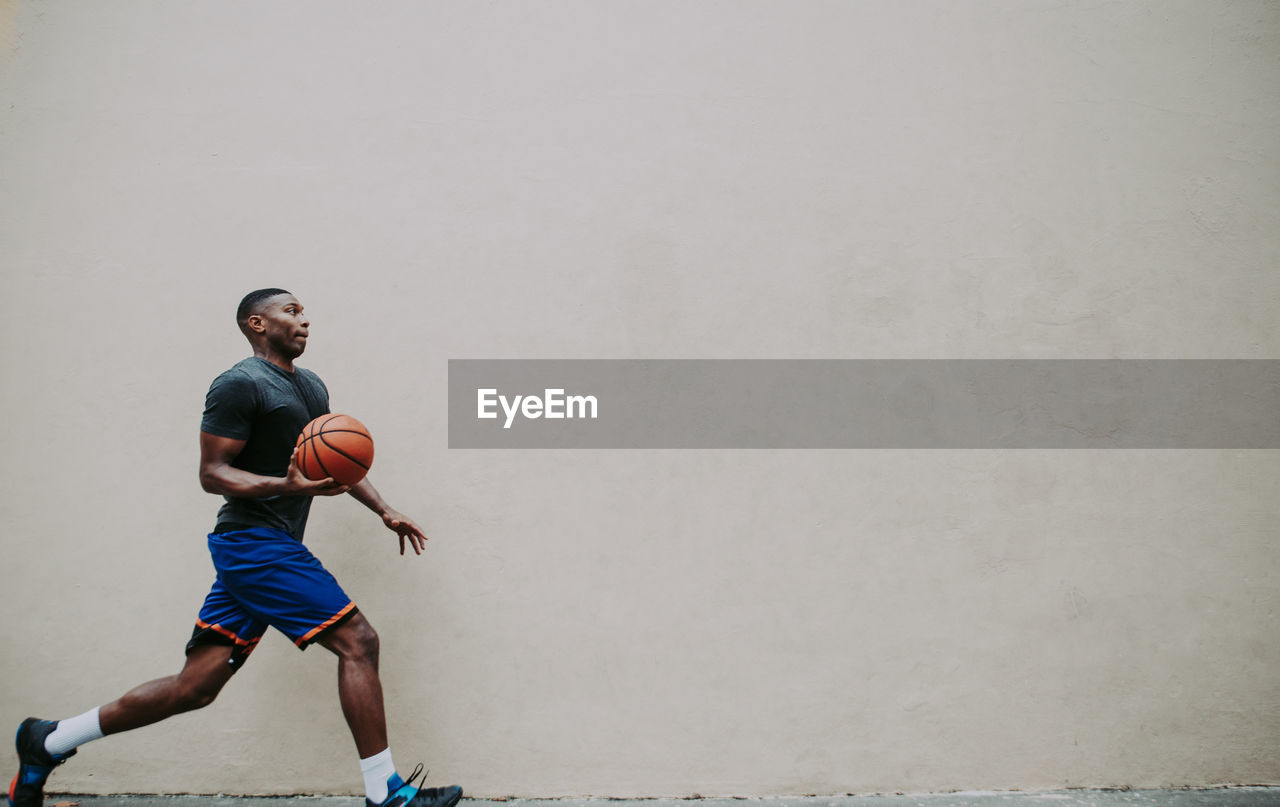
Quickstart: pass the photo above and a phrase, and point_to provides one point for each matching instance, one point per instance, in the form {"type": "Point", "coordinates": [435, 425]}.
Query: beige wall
{"type": "Point", "coordinates": [577, 179]}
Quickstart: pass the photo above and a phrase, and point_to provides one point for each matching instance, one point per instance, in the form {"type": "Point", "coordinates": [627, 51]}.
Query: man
{"type": "Point", "coordinates": [265, 576]}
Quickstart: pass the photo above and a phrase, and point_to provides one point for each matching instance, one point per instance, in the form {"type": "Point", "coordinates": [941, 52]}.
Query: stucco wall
{"type": "Point", "coordinates": [576, 179]}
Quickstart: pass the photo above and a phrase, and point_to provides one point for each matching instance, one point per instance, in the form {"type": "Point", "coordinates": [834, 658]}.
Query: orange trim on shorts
{"type": "Point", "coordinates": [246, 646]}
{"type": "Point", "coordinates": [227, 633]}
{"type": "Point", "coordinates": [311, 634]}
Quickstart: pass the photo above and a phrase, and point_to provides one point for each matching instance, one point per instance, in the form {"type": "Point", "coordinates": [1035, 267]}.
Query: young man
{"type": "Point", "coordinates": [265, 576]}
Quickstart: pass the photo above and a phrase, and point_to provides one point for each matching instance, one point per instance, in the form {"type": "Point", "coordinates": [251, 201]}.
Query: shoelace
{"type": "Point", "coordinates": [418, 771]}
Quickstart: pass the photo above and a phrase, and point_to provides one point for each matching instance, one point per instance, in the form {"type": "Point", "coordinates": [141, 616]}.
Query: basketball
{"type": "Point", "coordinates": [337, 446]}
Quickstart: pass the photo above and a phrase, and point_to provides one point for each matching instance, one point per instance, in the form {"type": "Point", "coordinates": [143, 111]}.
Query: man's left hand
{"type": "Point", "coordinates": [405, 527]}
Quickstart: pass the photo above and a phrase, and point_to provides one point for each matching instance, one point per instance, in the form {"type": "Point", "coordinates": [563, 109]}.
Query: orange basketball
{"type": "Point", "coordinates": [337, 446]}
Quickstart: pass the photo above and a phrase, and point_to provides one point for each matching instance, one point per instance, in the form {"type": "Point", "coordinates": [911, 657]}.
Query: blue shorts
{"type": "Point", "coordinates": [267, 577]}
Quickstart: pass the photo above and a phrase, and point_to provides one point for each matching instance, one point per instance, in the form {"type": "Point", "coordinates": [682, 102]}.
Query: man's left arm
{"type": "Point", "coordinates": [397, 522]}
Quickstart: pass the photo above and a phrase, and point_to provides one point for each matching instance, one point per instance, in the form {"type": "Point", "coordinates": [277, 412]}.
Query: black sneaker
{"type": "Point", "coordinates": [402, 793]}
{"type": "Point", "coordinates": [437, 797]}
{"type": "Point", "coordinates": [34, 763]}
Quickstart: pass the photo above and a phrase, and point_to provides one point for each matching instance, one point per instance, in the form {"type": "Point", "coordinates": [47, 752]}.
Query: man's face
{"type": "Point", "coordinates": [285, 325]}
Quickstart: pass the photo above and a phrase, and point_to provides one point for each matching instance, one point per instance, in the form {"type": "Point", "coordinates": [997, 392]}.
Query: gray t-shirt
{"type": "Point", "coordinates": [267, 407]}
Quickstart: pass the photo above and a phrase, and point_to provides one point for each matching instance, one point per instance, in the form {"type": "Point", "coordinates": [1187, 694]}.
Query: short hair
{"type": "Point", "coordinates": [252, 304]}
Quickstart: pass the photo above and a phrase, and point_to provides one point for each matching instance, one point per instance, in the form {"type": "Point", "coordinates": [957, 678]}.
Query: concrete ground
{"type": "Point", "coordinates": [1207, 797]}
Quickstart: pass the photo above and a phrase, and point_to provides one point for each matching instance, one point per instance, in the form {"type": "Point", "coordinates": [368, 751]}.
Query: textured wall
{"type": "Point", "coordinates": [658, 179]}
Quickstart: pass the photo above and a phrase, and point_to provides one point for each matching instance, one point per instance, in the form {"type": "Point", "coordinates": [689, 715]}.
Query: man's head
{"type": "Point", "coordinates": [272, 321]}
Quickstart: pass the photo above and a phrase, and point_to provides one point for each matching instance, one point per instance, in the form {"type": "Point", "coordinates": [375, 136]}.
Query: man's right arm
{"type": "Point", "coordinates": [218, 475]}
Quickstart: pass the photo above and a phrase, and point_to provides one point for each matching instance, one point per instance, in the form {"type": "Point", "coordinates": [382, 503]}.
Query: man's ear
{"type": "Point", "coordinates": [256, 324]}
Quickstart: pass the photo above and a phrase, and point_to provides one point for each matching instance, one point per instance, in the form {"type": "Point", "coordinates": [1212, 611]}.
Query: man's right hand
{"type": "Point", "coordinates": [299, 485]}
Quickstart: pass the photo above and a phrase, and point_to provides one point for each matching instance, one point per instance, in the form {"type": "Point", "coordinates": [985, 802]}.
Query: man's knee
{"type": "Point", "coordinates": [196, 695]}
{"type": "Point", "coordinates": [355, 640]}
{"type": "Point", "coordinates": [365, 640]}
{"type": "Point", "coordinates": [202, 678]}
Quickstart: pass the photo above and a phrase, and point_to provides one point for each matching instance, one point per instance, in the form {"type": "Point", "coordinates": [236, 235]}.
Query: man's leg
{"type": "Point", "coordinates": [355, 643]}
{"type": "Point", "coordinates": [207, 670]}
{"type": "Point", "coordinates": [45, 744]}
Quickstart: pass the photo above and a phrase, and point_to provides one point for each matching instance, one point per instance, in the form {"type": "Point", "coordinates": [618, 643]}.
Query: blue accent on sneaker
{"type": "Point", "coordinates": [403, 793]}
{"type": "Point", "coordinates": [34, 762]}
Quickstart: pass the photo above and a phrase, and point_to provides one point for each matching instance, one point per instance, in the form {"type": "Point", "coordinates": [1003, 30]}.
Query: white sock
{"type": "Point", "coordinates": [73, 733]}
{"type": "Point", "coordinates": [377, 769]}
